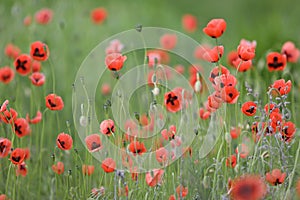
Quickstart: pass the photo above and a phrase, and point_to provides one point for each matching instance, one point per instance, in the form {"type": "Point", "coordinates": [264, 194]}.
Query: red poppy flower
{"type": "Point", "coordinates": [44, 16]}
{"type": "Point", "coordinates": [3, 107]}
{"type": "Point", "coordinates": [105, 89]}
{"type": "Point", "coordinates": [108, 165]}
{"type": "Point", "coordinates": [230, 94]}
{"type": "Point", "coordinates": [115, 61]}
{"type": "Point", "coordinates": [182, 191]}
{"type": "Point", "coordinates": [27, 153]}
{"type": "Point", "coordinates": [168, 41]}
{"type": "Point", "coordinates": [288, 131]}
{"type": "Point", "coordinates": [9, 116]}
{"type": "Point", "coordinates": [88, 169]}
{"type": "Point", "coordinates": [213, 55]}
{"type": "Point", "coordinates": [93, 142]}
{"type": "Point", "coordinates": [204, 114]}
{"type": "Point", "coordinates": [37, 79]}
{"type": "Point", "coordinates": [17, 156]}
{"type": "Point", "coordinates": [246, 52]}
{"type": "Point", "coordinates": [36, 66]}
{"type": "Point", "coordinates": [282, 86]}
{"type": "Point", "coordinates": [173, 101]}
{"type": "Point", "coordinates": [5, 146]}
{"type": "Point", "coordinates": [123, 191]}
{"type": "Point", "coordinates": [39, 51]}
{"type": "Point", "coordinates": [242, 150]}
{"type": "Point", "coordinates": [276, 61]}
{"type": "Point", "coordinates": [12, 51]}
{"type": "Point", "coordinates": [168, 135]}
{"type": "Point", "coordinates": [3, 197]}
{"type": "Point", "coordinates": [21, 170]}
{"type": "Point", "coordinates": [6, 74]}
{"type": "Point", "coordinates": [98, 15]}
{"type": "Point", "coordinates": [212, 104]}
{"type": "Point", "coordinates": [163, 56]}
{"type": "Point", "coordinates": [154, 177]}
{"type": "Point", "coordinates": [64, 141]}
{"type": "Point", "coordinates": [21, 127]}
{"type": "Point", "coordinates": [242, 66]}
{"type": "Point", "coordinates": [216, 72]}
{"type": "Point", "coordinates": [201, 50]}
{"type": "Point", "coordinates": [272, 108]}
{"type": "Point", "coordinates": [231, 161]}
{"type": "Point", "coordinates": [115, 46]}
{"type": "Point", "coordinates": [231, 57]}
{"type": "Point", "coordinates": [215, 28]}
{"type": "Point", "coordinates": [179, 68]}
{"type": "Point", "coordinates": [276, 177]}
{"type": "Point", "coordinates": [298, 188]}
{"type": "Point", "coordinates": [235, 132]}
{"type": "Point", "coordinates": [276, 118]}
{"type": "Point", "coordinates": [54, 102]}
{"type": "Point", "coordinates": [27, 20]}
{"type": "Point", "coordinates": [36, 119]}
{"type": "Point", "coordinates": [107, 127]}
{"type": "Point", "coordinates": [248, 187]}
{"type": "Point", "coordinates": [126, 160]}
{"type": "Point", "coordinates": [291, 52]}
{"type": "Point", "coordinates": [137, 147]}
{"type": "Point", "coordinates": [189, 23]}
{"type": "Point", "coordinates": [59, 168]}
{"type": "Point", "coordinates": [249, 108]}
{"type": "Point", "coordinates": [172, 197]}
{"type": "Point", "coordinates": [153, 59]}
{"type": "Point", "coordinates": [161, 155]}
{"type": "Point", "coordinates": [224, 80]}
{"type": "Point", "coordinates": [23, 64]}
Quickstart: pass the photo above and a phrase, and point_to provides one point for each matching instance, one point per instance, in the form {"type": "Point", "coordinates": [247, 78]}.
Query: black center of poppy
{"type": "Point", "coordinates": [251, 110]}
{"type": "Point", "coordinates": [51, 103]}
{"type": "Point", "coordinates": [277, 182]}
{"type": "Point", "coordinates": [245, 191]}
{"type": "Point", "coordinates": [18, 129]}
{"type": "Point", "coordinates": [171, 99]}
{"type": "Point", "coordinates": [275, 63]}
{"type": "Point", "coordinates": [16, 159]}
{"type": "Point", "coordinates": [37, 53]}
{"type": "Point", "coordinates": [21, 64]}
{"type": "Point", "coordinates": [6, 77]}
{"type": "Point", "coordinates": [109, 130]}
{"type": "Point", "coordinates": [62, 143]}
{"type": "Point", "coordinates": [230, 95]}
{"type": "Point", "coordinates": [2, 147]}
{"type": "Point", "coordinates": [95, 145]}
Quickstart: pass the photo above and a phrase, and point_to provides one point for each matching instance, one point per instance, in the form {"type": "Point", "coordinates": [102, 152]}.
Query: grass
{"type": "Point", "coordinates": [71, 36]}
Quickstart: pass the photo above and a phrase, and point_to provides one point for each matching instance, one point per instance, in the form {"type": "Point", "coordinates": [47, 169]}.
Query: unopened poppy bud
{"type": "Point", "coordinates": [155, 91]}
{"type": "Point", "coordinates": [197, 86]}
{"type": "Point", "coordinates": [139, 27]}
{"type": "Point", "coordinates": [83, 121]}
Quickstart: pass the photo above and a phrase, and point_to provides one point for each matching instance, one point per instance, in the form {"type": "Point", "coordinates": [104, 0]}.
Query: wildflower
{"type": "Point", "coordinates": [108, 165]}
{"type": "Point", "coordinates": [235, 132]}
{"type": "Point", "coordinates": [17, 156]}
{"type": "Point", "coordinates": [213, 55]}
{"type": "Point", "coordinates": [12, 51]}
{"type": "Point", "coordinates": [216, 72]}
{"type": "Point", "coordinates": [64, 141]}
{"type": "Point", "coordinates": [161, 155]}
{"type": "Point", "coordinates": [182, 191]}
{"type": "Point", "coordinates": [231, 161]}
{"type": "Point", "coordinates": [137, 147]}
{"type": "Point", "coordinates": [154, 177]}
{"type": "Point", "coordinates": [36, 119]}
{"type": "Point", "coordinates": [3, 107]}
{"type": "Point", "coordinates": [115, 46]}
{"type": "Point", "coordinates": [21, 169]}
{"type": "Point", "coordinates": [115, 61]}
{"type": "Point", "coordinates": [189, 23]}
{"type": "Point", "coordinates": [246, 50]}
{"type": "Point", "coordinates": [107, 127]}
{"type": "Point", "coordinates": [39, 51]}
{"type": "Point", "coordinates": [44, 16]}
{"type": "Point", "coordinates": [168, 41]}
{"type": "Point", "coordinates": [242, 150]}
{"type": "Point", "coordinates": [249, 108]}
{"type": "Point", "coordinates": [98, 15]}
{"type": "Point", "coordinates": [288, 131]}
{"type": "Point", "coordinates": [276, 61]}
{"type": "Point", "coordinates": [54, 102]}
{"type": "Point", "coordinates": [6, 75]}
{"type": "Point", "coordinates": [88, 169]}
{"type": "Point", "coordinates": [36, 66]}
{"type": "Point", "coordinates": [105, 89]}
{"type": "Point", "coordinates": [23, 64]}
{"type": "Point", "coordinates": [230, 94]}
{"type": "Point", "coordinates": [241, 65]}
{"type": "Point", "coordinates": [5, 146]}
{"type": "Point", "coordinates": [283, 87]}
{"type": "Point", "coordinates": [21, 127]}
{"type": "Point", "coordinates": [27, 20]}
{"type": "Point", "coordinates": [59, 168]}
{"type": "Point", "coordinates": [248, 187]}
{"type": "Point", "coordinates": [168, 135]}
{"type": "Point", "coordinates": [93, 142]}
{"type": "Point", "coordinates": [173, 101]}
{"type": "Point", "coordinates": [292, 53]}
{"type": "Point", "coordinates": [215, 28]}
{"type": "Point", "coordinates": [37, 79]}
{"type": "Point", "coordinates": [276, 177]}
{"type": "Point", "coordinates": [9, 116]}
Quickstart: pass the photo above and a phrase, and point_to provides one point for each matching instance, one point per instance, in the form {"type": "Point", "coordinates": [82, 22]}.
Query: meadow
{"type": "Point", "coordinates": [149, 100]}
